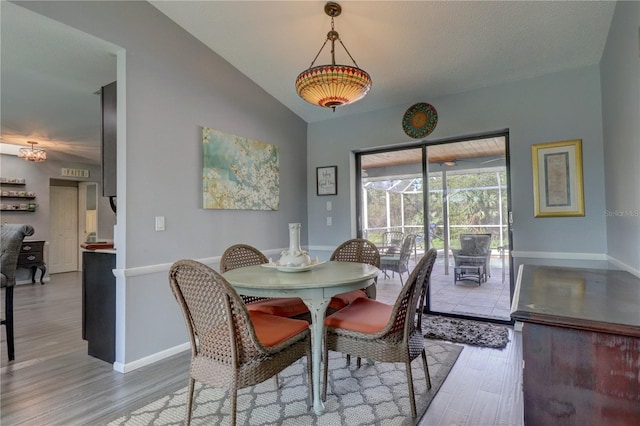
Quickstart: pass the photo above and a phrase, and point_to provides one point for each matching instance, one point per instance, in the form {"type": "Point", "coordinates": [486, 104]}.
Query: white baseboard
{"type": "Point", "coordinates": [624, 266]}
{"type": "Point", "coordinates": [142, 362]}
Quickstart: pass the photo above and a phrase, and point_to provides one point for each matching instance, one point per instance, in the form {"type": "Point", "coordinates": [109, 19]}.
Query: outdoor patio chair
{"type": "Point", "coordinates": [11, 238]}
{"type": "Point", "coordinates": [232, 347]}
{"type": "Point", "coordinates": [384, 333]}
{"type": "Point", "coordinates": [240, 255]}
{"type": "Point", "coordinates": [398, 262]}
{"type": "Point", "coordinates": [418, 243]}
{"type": "Point", "coordinates": [472, 260]}
{"type": "Point", "coordinates": [433, 233]}
{"type": "Point", "coordinates": [391, 242]}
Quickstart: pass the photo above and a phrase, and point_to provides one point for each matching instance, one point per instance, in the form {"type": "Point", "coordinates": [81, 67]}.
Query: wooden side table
{"type": "Point", "coordinates": [32, 257]}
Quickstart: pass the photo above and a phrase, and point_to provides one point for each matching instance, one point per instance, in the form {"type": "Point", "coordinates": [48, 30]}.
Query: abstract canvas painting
{"type": "Point", "coordinates": [239, 173]}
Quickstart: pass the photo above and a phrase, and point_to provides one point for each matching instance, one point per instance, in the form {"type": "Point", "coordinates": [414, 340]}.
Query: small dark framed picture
{"type": "Point", "coordinates": [327, 180]}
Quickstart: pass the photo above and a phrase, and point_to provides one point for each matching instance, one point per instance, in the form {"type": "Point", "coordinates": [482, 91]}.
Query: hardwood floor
{"type": "Point", "coordinates": [54, 382]}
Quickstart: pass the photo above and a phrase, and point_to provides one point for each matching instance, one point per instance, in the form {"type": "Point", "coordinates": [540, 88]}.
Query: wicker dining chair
{"type": "Point", "coordinates": [354, 250]}
{"type": "Point", "coordinates": [357, 250]}
{"type": "Point", "coordinates": [240, 255]}
{"type": "Point", "coordinates": [380, 332]}
{"type": "Point", "coordinates": [230, 346]}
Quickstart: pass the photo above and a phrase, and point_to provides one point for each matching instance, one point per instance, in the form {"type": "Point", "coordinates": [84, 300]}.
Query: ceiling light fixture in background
{"type": "Point", "coordinates": [33, 154]}
{"type": "Point", "coordinates": [332, 86]}
{"type": "Point", "coordinates": [450, 163]}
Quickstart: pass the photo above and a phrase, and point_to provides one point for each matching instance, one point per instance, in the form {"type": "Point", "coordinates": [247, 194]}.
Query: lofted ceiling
{"type": "Point", "coordinates": [415, 51]}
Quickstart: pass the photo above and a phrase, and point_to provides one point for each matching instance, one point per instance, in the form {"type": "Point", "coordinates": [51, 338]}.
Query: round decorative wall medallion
{"type": "Point", "coordinates": [420, 120]}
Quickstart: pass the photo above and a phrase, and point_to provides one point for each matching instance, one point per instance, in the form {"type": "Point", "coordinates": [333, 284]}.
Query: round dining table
{"type": "Point", "coordinates": [315, 286]}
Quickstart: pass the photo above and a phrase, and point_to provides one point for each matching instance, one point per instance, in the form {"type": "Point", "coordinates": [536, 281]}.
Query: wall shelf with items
{"type": "Point", "coordinates": [18, 207]}
{"type": "Point", "coordinates": [18, 196]}
{"type": "Point", "coordinates": [12, 181]}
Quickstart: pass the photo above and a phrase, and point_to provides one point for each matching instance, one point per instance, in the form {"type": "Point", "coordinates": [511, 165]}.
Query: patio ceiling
{"type": "Point", "coordinates": [399, 170]}
{"type": "Point", "coordinates": [478, 148]}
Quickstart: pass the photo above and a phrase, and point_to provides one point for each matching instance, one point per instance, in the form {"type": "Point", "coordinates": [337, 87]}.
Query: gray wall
{"type": "Point", "coordinates": [555, 107]}
{"type": "Point", "coordinates": [37, 177]}
{"type": "Point", "coordinates": [174, 85]}
{"type": "Point", "coordinates": [620, 75]}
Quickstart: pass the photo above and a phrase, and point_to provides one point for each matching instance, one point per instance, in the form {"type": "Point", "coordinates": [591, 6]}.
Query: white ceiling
{"type": "Point", "coordinates": [415, 51]}
{"type": "Point", "coordinates": [49, 73]}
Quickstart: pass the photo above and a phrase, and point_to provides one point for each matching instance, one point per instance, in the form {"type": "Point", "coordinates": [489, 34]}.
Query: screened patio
{"type": "Point", "coordinates": [461, 200]}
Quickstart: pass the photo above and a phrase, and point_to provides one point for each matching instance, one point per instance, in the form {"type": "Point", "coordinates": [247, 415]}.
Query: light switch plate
{"type": "Point", "coordinates": [329, 206]}
{"type": "Point", "coordinates": [159, 223]}
{"type": "Point", "coordinates": [329, 221]}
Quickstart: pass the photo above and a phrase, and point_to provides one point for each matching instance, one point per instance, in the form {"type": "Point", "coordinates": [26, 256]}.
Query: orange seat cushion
{"type": "Point", "coordinates": [272, 330]}
{"type": "Point", "coordinates": [363, 315]}
{"type": "Point", "coordinates": [341, 300]}
{"type": "Point", "coordinates": [280, 306]}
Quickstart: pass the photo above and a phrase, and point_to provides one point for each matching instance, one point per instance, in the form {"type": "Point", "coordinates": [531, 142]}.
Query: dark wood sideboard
{"type": "Point", "coordinates": [581, 345]}
{"type": "Point", "coordinates": [32, 257]}
{"type": "Point", "coordinates": [99, 304]}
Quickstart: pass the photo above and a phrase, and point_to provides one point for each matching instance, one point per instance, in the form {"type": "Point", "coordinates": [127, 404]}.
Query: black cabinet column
{"type": "Point", "coordinates": [99, 304]}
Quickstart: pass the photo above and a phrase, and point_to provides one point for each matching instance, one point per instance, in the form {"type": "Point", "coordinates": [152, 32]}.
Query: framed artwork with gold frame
{"type": "Point", "coordinates": [557, 179]}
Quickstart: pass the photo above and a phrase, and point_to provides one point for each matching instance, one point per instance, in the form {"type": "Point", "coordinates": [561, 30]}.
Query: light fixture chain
{"type": "Point", "coordinates": [319, 51]}
{"type": "Point", "coordinates": [347, 50]}
{"type": "Point", "coordinates": [333, 51]}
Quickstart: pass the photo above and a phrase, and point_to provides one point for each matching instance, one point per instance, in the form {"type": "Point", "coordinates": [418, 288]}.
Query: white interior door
{"type": "Point", "coordinates": [63, 250]}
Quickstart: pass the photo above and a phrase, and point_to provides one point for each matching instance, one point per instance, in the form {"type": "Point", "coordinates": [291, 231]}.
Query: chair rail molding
{"type": "Point", "coordinates": [213, 262]}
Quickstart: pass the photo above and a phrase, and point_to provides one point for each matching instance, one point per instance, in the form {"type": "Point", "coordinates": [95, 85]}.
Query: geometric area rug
{"type": "Point", "coordinates": [460, 330]}
{"type": "Point", "coordinates": [374, 394]}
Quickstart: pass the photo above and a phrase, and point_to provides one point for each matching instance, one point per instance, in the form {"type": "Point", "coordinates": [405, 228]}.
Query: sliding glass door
{"type": "Point", "coordinates": [447, 196]}
{"type": "Point", "coordinates": [392, 193]}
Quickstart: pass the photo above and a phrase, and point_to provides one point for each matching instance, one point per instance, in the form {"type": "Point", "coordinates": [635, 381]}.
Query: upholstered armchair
{"type": "Point", "coordinates": [11, 239]}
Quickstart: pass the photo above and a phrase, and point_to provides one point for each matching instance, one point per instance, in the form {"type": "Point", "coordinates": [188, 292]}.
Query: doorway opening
{"type": "Point", "coordinates": [446, 195]}
{"type": "Point", "coordinates": [73, 220]}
